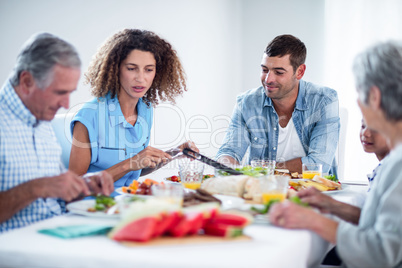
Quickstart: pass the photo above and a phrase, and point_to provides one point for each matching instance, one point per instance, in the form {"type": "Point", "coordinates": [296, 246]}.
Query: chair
{"type": "Point", "coordinates": [340, 151]}
{"type": "Point", "coordinates": [61, 127]}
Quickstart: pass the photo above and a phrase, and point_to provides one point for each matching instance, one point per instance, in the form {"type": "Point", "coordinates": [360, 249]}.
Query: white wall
{"type": "Point", "coordinates": [350, 27]}
{"type": "Point", "coordinates": [220, 43]}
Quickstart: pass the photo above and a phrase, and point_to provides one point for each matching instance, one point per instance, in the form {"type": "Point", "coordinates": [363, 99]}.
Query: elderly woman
{"type": "Point", "coordinates": [374, 237]}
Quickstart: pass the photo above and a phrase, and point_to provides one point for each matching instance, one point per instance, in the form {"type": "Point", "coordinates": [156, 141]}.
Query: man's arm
{"type": "Point", "coordinates": [228, 160]}
{"type": "Point", "coordinates": [324, 137]}
{"type": "Point", "coordinates": [294, 165]}
{"type": "Point", "coordinates": [236, 140]}
{"type": "Point", "coordinates": [16, 199]}
{"type": "Point", "coordinates": [67, 186]}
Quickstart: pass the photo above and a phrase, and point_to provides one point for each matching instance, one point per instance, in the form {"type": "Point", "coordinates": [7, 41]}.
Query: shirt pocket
{"type": "Point", "coordinates": [258, 147]}
{"type": "Point", "coordinates": [109, 156]}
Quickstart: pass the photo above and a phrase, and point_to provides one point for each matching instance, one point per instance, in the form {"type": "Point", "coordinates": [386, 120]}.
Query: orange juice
{"type": "Point", "coordinates": [266, 197]}
{"type": "Point", "coordinates": [191, 185]}
{"type": "Point", "coordinates": [310, 174]}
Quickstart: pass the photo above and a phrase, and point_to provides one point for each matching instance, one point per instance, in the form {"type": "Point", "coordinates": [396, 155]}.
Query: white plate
{"type": "Point", "coordinates": [229, 202]}
{"type": "Point", "coordinates": [344, 187]}
{"type": "Point", "coordinates": [120, 191]}
{"type": "Point", "coordinates": [81, 208]}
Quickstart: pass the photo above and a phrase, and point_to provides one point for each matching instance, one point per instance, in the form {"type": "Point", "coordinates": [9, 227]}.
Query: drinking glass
{"type": "Point", "coordinates": [191, 173]}
{"type": "Point", "coordinates": [170, 192]}
{"type": "Point", "coordinates": [268, 165]}
{"type": "Point", "coordinates": [274, 187]}
{"type": "Point", "coordinates": [310, 170]}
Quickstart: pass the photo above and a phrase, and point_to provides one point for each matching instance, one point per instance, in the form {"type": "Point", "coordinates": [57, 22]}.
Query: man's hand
{"type": "Point", "coordinates": [67, 186]}
{"type": "Point", "coordinates": [99, 182]}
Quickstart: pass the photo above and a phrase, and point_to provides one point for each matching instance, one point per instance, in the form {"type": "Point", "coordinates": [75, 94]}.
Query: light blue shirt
{"type": "Point", "coordinates": [112, 138]}
{"type": "Point", "coordinates": [255, 126]}
{"type": "Point", "coordinates": [377, 240]}
{"type": "Point", "coordinates": [28, 150]}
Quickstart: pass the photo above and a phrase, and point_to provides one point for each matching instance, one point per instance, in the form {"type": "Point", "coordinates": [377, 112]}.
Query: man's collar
{"type": "Point", "coordinates": [17, 107]}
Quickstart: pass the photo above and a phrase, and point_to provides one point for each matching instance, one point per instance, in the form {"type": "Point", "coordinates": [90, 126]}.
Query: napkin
{"type": "Point", "coordinates": [73, 231]}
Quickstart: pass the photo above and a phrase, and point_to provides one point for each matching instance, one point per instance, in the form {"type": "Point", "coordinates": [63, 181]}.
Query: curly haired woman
{"type": "Point", "coordinates": [131, 72]}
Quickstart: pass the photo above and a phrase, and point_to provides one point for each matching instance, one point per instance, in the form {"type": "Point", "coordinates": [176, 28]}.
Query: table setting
{"type": "Point", "coordinates": [87, 237]}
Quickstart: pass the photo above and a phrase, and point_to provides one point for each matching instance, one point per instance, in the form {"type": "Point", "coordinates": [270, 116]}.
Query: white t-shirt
{"type": "Point", "coordinates": [289, 144]}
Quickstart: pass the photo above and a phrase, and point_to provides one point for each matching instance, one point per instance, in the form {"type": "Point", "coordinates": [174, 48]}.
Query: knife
{"type": "Point", "coordinates": [197, 156]}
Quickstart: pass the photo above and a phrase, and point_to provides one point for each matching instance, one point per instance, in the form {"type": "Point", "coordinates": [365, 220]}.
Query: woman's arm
{"type": "Point", "coordinates": [80, 157]}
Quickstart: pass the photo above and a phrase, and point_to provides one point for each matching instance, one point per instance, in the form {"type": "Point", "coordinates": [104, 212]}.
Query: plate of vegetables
{"type": "Point", "coordinates": [97, 207]}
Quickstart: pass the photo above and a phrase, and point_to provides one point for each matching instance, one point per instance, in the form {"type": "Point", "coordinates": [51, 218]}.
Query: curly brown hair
{"type": "Point", "coordinates": [103, 71]}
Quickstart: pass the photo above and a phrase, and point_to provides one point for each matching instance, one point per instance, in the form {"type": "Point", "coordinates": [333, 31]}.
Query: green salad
{"type": "Point", "coordinates": [247, 170]}
{"type": "Point", "coordinates": [103, 202]}
{"type": "Point", "coordinates": [267, 206]}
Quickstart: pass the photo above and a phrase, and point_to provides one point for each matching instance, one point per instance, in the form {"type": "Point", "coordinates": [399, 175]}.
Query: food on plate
{"type": "Point", "coordinates": [320, 183]}
{"type": "Point", "coordinates": [142, 188]}
{"type": "Point", "coordinates": [293, 175]}
{"type": "Point", "coordinates": [252, 189]}
{"type": "Point", "coordinates": [223, 230]}
{"type": "Point", "coordinates": [331, 178]}
{"type": "Point", "coordinates": [329, 183]}
{"type": "Point", "coordinates": [150, 219]}
{"type": "Point", "coordinates": [229, 185]}
{"type": "Point", "coordinates": [235, 218]}
{"type": "Point", "coordinates": [197, 197]}
{"type": "Point", "coordinates": [175, 178]}
{"type": "Point", "coordinates": [103, 203]}
{"type": "Point", "coordinates": [140, 230]}
{"type": "Point", "coordinates": [247, 170]}
{"type": "Point", "coordinates": [267, 206]}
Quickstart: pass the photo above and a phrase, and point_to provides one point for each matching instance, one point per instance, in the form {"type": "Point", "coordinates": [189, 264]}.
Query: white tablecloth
{"type": "Point", "coordinates": [270, 247]}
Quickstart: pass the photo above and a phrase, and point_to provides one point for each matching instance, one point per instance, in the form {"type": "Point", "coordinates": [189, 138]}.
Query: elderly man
{"type": "Point", "coordinates": [286, 119]}
{"type": "Point", "coordinates": [373, 237]}
{"type": "Point", "coordinates": [32, 187]}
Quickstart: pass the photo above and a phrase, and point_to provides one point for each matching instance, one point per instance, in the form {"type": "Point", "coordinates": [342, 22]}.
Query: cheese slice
{"type": "Point", "coordinates": [319, 186]}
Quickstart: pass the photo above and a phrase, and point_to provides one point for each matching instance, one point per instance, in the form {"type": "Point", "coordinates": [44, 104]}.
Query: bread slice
{"type": "Point", "coordinates": [227, 185]}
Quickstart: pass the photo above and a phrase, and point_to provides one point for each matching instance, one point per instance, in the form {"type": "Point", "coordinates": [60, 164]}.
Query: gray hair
{"type": "Point", "coordinates": [40, 54]}
{"type": "Point", "coordinates": [381, 66]}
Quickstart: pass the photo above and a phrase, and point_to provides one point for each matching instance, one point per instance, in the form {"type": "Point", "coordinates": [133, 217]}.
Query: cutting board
{"type": "Point", "coordinates": [195, 239]}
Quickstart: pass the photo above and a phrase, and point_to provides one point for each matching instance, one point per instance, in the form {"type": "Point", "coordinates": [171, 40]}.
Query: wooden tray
{"type": "Point", "coordinates": [195, 239]}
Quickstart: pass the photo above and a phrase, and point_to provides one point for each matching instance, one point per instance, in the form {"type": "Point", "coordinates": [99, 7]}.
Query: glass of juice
{"type": "Point", "coordinates": [310, 170]}
{"type": "Point", "coordinates": [274, 187]}
{"type": "Point", "coordinates": [169, 192]}
{"type": "Point", "coordinates": [191, 173]}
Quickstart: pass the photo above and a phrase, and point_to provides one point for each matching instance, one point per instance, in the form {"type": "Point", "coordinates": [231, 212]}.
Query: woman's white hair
{"type": "Point", "coordinates": [381, 66]}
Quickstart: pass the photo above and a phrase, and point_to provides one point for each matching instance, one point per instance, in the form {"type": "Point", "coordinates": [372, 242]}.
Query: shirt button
{"type": "Point", "coordinates": [274, 148]}
{"type": "Point", "coordinates": [275, 128]}
{"type": "Point", "coordinates": [255, 138]}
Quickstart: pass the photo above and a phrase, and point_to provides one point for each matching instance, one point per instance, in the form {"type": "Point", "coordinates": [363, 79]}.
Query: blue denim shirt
{"type": "Point", "coordinates": [254, 126]}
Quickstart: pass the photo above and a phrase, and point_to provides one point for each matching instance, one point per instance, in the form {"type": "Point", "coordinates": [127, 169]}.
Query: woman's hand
{"type": "Point", "coordinates": [189, 145]}
{"type": "Point", "coordinates": [290, 215]}
{"type": "Point", "coordinates": [150, 157]}
{"type": "Point", "coordinates": [317, 199]}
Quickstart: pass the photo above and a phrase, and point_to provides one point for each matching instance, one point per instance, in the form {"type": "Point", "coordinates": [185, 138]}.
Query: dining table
{"type": "Point", "coordinates": [266, 246]}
